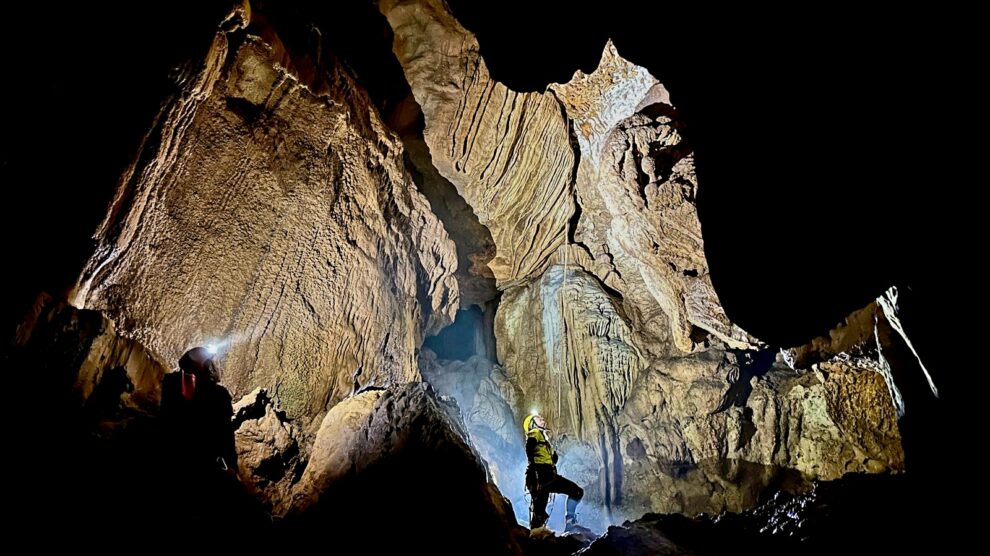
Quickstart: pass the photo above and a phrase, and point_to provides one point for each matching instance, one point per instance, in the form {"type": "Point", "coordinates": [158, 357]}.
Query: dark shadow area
{"type": "Point", "coordinates": [751, 364]}
{"type": "Point", "coordinates": [354, 32]}
{"type": "Point", "coordinates": [82, 87]}
{"type": "Point", "coordinates": [112, 471]}
{"type": "Point", "coordinates": [858, 515]}
{"type": "Point", "coordinates": [475, 246]}
{"type": "Point", "coordinates": [427, 491]}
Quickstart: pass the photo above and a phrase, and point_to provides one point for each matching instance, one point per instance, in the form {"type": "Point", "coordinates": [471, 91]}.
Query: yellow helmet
{"type": "Point", "coordinates": [528, 422]}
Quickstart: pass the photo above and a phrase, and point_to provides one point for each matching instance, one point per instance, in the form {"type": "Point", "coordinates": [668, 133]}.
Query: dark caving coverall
{"type": "Point", "coordinates": [541, 475]}
{"type": "Point", "coordinates": [200, 458]}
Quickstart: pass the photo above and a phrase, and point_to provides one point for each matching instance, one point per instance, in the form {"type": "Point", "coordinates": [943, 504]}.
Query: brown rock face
{"type": "Point", "coordinates": [509, 154]}
{"type": "Point", "coordinates": [636, 186]}
{"type": "Point", "coordinates": [615, 332]}
{"type": "Point", "coordinates": [475, 247]}
{"type": "Point", "coordinates": [269, 448]}
{"type": "Point", "coordinates": [280, 221]}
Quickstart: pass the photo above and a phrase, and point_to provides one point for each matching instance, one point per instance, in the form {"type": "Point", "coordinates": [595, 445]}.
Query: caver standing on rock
{"type": "Point", "coordinates": [541, 474]}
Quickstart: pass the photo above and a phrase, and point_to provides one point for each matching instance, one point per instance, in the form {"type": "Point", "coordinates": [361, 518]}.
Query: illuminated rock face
{"type": "Point", "coordinates": [614, 331]}
{"type": "Point", "coordinates": [282, 220]}
{"type": "Point", "coordinates": [270, 451]}
{"type": "Point", "coordinates": [508, 154]}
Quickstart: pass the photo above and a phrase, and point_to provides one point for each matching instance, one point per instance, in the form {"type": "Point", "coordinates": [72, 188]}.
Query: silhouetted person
{"type": "Point", "coordinates": [201, 460]}
{"type": "Point", "coordinates": [105, 402]}
{"type": "Point", "coordinates": [541, 475]}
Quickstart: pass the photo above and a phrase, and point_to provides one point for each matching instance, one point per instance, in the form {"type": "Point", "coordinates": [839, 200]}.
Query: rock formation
{"type": "Point", "coordinates": [614, 330]}
{"type": "Point", "coordinates": [79, 360]}
{"type": "Point", "coordinates": [861, 513]}
{"type": "Point", "coordinates": [395, 469]}
{"type": "Point", "coordinates": [485, 396]}
{"type": "Point", "coordinates": [509, 154]}
{"type": "Point", "coordinates": [274, 215]}
{"type": "Point", "coordinates": [636, 186]}
{"type": "Point", "coordinates": [270, 450]}
{"type": "Point", "coordinates": [475, 247]}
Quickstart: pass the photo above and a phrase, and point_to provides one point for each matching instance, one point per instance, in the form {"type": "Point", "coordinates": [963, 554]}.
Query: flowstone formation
{"type": "Point", "coordinates": [608, 323]}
